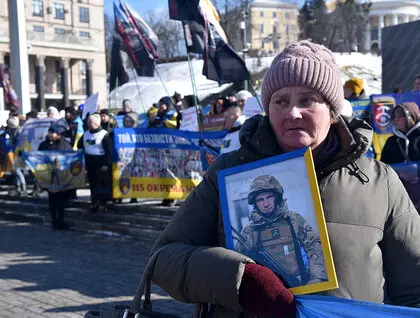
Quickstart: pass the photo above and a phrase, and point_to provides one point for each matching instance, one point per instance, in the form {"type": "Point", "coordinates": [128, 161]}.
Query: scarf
{"type": "Point", "coordinates": [329, 149]}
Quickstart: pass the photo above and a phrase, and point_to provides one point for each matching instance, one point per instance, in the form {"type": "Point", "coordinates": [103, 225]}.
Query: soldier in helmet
{"type": "Point", "coordinates": [277, 235]}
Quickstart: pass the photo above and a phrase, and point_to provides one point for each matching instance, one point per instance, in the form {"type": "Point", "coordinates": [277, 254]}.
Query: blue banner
{"type": "Point", "coordinates": [32, 135]}
{"type": "Point", "coordinates": [409, 174]}
{"type": "Point", "coordinates": [161, 163]}
{"type": "Point", "coordinates": [56, 171]}
{"type": "Point", "coordinates": [362, 109]}
{"type": "Point", "coordinates": [311, 306]}
{"type": "Point", "coordinates": [382, 106]}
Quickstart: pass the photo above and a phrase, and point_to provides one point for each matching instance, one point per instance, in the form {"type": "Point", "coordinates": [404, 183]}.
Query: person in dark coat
{"type": "Point", "coordinates": [404, 145]}
{"type": "Point", "coordinates": [56, 200]}
{"type": "Point", "coordinates": [98, 168]}
{"type": "Point", "coordinates": [107, 122]}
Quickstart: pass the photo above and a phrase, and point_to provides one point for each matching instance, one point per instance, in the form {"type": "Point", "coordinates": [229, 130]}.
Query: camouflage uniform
{"type": "Point", "coordinates": [286, 237]}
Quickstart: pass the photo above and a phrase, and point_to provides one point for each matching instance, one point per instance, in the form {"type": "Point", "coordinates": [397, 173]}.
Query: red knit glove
{"type": "Point", "coordinates": [262, 293]}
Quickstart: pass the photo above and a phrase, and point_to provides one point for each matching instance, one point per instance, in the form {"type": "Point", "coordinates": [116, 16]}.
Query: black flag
{"type": "Point", "coordinates": [205, 36]}
{"type": "Point", "coordinates": [118, 74]}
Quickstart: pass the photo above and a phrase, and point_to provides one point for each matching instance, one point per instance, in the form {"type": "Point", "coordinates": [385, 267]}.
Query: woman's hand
{"type": "Point", "coordinates": [262, 293]}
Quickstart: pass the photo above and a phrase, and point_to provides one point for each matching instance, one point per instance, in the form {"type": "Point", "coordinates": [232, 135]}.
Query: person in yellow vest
{"type": "Point", "coordinates": [279, 238]}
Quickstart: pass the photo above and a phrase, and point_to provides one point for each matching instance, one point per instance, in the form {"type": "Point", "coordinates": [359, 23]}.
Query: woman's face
{"type": "Point", "coordinates": [400, 120]}
{"type": "Point", "coordinates": [299, 117]}
{"type": "Point", "coordinates": [50, 115]}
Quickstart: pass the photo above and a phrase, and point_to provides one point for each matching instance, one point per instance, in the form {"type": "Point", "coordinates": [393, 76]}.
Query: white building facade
{"type": "Point", "coordinates": [384, 13]}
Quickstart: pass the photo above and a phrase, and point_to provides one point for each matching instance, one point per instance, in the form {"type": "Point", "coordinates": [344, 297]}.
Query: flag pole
{"type": "Point", "coordinates": [163, 84]}
{"type": "Point", "coordinates": [138, 89]}
{"type": "Point", "coordinates": [251, 87]}
{"type": "Point", "coordinates": [193, 84]}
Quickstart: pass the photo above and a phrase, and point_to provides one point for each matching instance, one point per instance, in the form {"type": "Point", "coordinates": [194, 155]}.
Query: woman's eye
{"type": "Point", "coordinates": [309, 101]}
{"type": "Point", "coordinates": [282, 102]}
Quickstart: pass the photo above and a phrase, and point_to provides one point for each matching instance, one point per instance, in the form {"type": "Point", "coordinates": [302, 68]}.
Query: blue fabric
{"type": "Point", "coordinates": [311, 306]}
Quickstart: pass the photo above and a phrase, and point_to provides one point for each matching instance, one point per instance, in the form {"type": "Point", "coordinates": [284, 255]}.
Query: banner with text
{"type": "Point", "coordinates": [56, 171]}
{"type": "Point", "coordinates": [161, 163]}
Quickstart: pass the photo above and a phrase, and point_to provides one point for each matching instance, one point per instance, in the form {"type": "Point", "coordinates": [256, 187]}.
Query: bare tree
{"type": "Point", "coordinates": [169, 33]}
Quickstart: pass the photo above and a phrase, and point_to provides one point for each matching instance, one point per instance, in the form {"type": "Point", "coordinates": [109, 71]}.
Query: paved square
{"type": "Point", "coordinates": [44, 273]}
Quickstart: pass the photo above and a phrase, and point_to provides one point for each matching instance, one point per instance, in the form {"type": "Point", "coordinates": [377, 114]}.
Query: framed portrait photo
{"type": "Point", "coordinates": [272, 213]}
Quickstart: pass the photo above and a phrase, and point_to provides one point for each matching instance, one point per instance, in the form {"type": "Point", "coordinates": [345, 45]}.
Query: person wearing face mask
{"type": "Point", "coordinates": [373, 227]}
{"type": "Point", "coordinates": [404, 145]}
{"type": "Point", "coordinates": [97, 162]}
{"type": "Point", "coordinates": [56, 200]}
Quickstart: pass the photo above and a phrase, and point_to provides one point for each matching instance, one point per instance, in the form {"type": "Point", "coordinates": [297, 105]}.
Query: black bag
{"type": "Point", "coordinates": [137, 310]}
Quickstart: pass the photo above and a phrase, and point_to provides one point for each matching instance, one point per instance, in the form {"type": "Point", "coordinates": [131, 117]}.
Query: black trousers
{"type": "Point", "coordinates": [57, 202]}
{"type": "Point", "coordinates": [100, 184]}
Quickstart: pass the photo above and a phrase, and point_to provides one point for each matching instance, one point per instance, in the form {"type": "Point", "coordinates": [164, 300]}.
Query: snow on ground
{"type": "Point", "coordinates": [144, 91]}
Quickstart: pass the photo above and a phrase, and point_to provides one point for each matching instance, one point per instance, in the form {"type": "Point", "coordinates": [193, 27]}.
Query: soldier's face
{"type": "Point", "coordinates": [299, 117]}
{"type": "Point", "coordinates": [266, 202]}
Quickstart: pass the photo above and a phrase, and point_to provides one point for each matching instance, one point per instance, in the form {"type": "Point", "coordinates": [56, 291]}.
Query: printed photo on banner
{"type": "Point", "coordinates": [160, 163]}
{"type": "Point", "coordinates": [383, 105]}
{"type": "Point", "coordinates": [272, 213]}
{"type": "Point", "coordinates": [409, 174]}
{"type": "Point", "coordinates": [56, 171]}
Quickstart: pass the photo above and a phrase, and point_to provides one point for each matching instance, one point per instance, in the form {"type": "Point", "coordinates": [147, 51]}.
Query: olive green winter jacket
{"type": "Point", "coordinates": [373, 227]}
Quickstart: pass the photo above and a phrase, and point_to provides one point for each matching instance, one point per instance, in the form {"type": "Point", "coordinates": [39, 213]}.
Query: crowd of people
{"type": "Point", "coordinates": [94, 136]}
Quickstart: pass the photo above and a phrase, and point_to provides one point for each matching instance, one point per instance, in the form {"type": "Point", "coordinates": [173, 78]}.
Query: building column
{"type": "Point", "coordinates": [406, 18]}
{"type": "Point", "coordinates": [89, 77]}
{"type": "Point", "coordinates": [19, 62]}
{"type": "Point", "coordinates": [380, 27]}
{"type": "Point", "coordinates": [64, 71]}
{"type": "Point", "coordinates": [367, 36]}
{"type": "Point", "coordinates": [2, 67]}
{"type": "Point", "coordinates": [2, 62]}
{"type": "Point", "coordinates": [394, 19]}
{"type": "Point", "coordinates": [40, 82]}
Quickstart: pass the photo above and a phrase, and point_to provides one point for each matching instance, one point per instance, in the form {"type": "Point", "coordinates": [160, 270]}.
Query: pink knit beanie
{"type": "Point", "coordinates": [305, 64]}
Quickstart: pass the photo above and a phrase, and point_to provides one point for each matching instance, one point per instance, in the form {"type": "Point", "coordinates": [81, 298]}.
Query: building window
{"type": "Point", "coordinates": [274, 15]}
{"type": "Point", "coordinates": [262, 44]}
{"type": "Point", "coordinates": [37, 8]}
{"type": "Point", "coordinates": [58, 11]}
{"type": "Point", "coordinates": [261, 14]}
{"type": "Point", "coordinates": [287, 30]}
{"type": "Point", "coordinates": [84, 15]}
{"type": "Point", "coordinates": [84, 34]}
{"type": "Point", "coordinates": [59, 31]}
{"type": "Point", "coordinates": [38, 28]}
{"type": "Point", "coordinates": [262, 28]}
{"type": "Point", "coordinates": [287, 15]}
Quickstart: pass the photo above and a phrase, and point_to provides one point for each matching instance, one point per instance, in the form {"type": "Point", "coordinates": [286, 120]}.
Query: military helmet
{"type": "Point", "coordinates": [263, 184]}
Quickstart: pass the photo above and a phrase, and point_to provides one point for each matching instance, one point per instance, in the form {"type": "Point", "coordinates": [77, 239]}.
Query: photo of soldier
{"type": "Point", "coordinates": [278, 238]}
